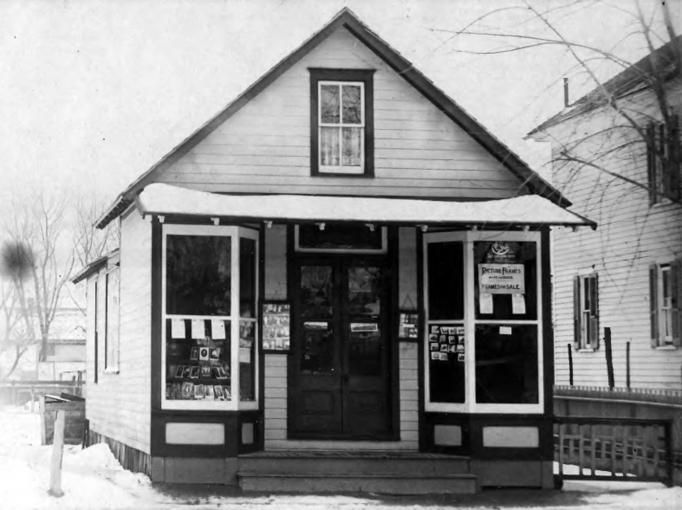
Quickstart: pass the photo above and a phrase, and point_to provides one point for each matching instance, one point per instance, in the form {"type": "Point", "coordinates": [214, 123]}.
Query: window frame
{"type": "Point", "coordinates": [359, 251]}
{"type": "Point", "coordinates": [364, 77]}
{"type": "Point", "coordinates": [113, 341]}
{"type": "Point", "coordinates": [664, 158]}
{"type": "Point", "coordinates": [96, 312]}
{"type": "Point", "coordinates": [235, 233]}
{"type": "Point", "coordinates": [470, 321]}
{"type": "Point", "coordinates": [586, 320]}
{"type": "Point", "coordinates": [671, 306]}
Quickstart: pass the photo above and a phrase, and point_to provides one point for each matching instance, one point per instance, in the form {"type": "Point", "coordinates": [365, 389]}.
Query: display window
{"type": "Point", "coordinates": [483, 337]}
{"type": "Point", "coordinates": [210, 322]}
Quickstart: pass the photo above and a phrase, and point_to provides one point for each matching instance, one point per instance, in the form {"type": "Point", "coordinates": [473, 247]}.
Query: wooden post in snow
{"type": "Point", "coordinates": [57, 454]}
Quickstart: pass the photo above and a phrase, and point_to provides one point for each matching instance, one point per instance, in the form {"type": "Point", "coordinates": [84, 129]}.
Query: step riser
{"type": "Point", "coordinates": [359, 484]}
{"type": "Point", "coordinates": [359, 466]}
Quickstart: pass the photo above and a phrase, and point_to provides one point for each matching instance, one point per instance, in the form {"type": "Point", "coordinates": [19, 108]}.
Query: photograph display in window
{"type": "Point", "coordinates": [198, 359]}
{"type": "Point", "coordinates": [446, 362]}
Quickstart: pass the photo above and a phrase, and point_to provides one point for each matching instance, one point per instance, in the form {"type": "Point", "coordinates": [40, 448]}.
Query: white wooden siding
{"type": "Point", "coordinates": [630, 237]}
{"type": "Point", "coordinates": [409, 393]}
{"type": "Point", "coordinates": [265, 147]}
{"type": "Point", "coordinates": [276, 262]}
{"type": "Point", "coordinates": [119, 405]}
{"type": "Point", "coordinates": [407, 268]}
{"type": "Point", "coordinates": [275, 392]}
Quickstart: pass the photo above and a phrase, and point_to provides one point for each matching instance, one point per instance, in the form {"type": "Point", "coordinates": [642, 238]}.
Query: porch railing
{"type": "Point", "coordinates": [627, 449]}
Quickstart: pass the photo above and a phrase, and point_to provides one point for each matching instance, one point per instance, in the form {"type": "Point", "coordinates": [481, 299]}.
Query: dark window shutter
{"type": "Point", "coordinates": [653, 305]}
{"type": "Point", "coordinates": [674, 156]}
{"type": "Point", "coordinates": [595, 311]}
{"type": "Point", "coordinates": [676, 288]}
{"type": "Point", "coordinates": [576, 312]}
{"type": "Point", "coordinates": [651, 162]}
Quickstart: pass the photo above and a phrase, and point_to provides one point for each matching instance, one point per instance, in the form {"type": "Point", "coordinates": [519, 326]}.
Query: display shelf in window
{"type": "Point", "coordinates": [276, 326]}
{"type": "Point", "coordinates": [446, 362]}
{"type": "Point", "coordinates": [198, 355]}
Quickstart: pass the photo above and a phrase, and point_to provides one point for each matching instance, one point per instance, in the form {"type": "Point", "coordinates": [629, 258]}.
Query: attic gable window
{"type": "Point", "coordinates": [663, 160]}
{"type": "Point", "coordinates": [341, 122]}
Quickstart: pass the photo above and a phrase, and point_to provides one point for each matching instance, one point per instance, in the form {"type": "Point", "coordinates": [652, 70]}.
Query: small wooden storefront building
{"type": "Point", "coordinates": [342, 277]}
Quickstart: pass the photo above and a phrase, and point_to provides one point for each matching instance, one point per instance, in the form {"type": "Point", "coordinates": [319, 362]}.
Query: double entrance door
{"type": "Point", "coordinates": [339, 375]}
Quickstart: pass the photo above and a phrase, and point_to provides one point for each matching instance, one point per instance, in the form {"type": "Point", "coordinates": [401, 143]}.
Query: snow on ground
{"type": "Point", "coordinates": [92, 479]}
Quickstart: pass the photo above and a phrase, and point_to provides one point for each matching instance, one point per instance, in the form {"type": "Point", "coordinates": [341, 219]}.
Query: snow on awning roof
{"type": "Point", "coordinates": [164, 199]}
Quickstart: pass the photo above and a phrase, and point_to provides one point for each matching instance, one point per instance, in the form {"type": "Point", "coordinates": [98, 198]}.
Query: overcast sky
{"type": "Point", "coordinates": [93, 93]}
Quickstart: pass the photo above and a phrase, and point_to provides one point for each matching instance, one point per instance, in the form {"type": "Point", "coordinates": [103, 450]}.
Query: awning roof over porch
{"type": "Point", "coordinates": [164, 199]}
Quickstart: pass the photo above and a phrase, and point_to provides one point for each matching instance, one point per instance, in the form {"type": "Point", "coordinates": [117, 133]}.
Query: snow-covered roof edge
{"type": "Point", "coordinates": [165, 199]}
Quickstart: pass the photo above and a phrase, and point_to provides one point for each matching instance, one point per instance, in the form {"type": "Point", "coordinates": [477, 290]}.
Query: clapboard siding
{"type": "Point", "coordinates": [409, 394]}
{"type": "Point", "coordinates": [118, 406]}
{"type": "Point", "coordinates": [275, 408]}
{"type": "Point", "coordinates": [631, 236]}
{"type": "Point", "coordinates": [265, 146]}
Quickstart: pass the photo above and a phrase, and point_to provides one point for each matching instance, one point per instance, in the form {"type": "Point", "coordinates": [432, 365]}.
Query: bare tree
{"type": "Point", "coordinates": [35, 235]}
{"type": "Point", "coordinates": [634, 127]}
{"type": "Point", "coordinates": [91, 243]}
{"type": "Point", "coordinates": [16, 338]}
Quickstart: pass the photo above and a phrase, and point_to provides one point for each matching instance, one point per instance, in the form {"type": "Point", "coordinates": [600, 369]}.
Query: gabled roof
{"type": "Point", "coordinates": [664, 60]}
{"type": "Point", "coordinates": [347, 19]}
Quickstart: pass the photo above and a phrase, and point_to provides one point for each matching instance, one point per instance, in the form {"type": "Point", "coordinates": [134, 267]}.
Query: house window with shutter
{"type": "Point", "coordinates": [586, 312]}
{"type": "Point", "coordinates": [342, 122]}
{"type": "Point", "coordinates": [664, 280]}
{"type": "Point", "coordinates": [663, 160]}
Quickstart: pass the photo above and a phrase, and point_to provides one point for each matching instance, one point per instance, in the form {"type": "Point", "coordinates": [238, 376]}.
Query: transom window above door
{"type": "Point", "coordinates": [341, 122]}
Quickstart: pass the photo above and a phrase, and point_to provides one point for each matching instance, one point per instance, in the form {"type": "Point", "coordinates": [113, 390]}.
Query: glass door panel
{"type": "Point", "coordinates": [364, 291]}
{"type": "Point", "coordinates": [316, 292]}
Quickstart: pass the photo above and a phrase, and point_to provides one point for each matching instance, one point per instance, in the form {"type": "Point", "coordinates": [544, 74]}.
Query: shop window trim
{"type": "Point", "coordinates": [470, 322]}
{"type": "Point", "coordinates": [235, 234]}
{"type": "Point", "coordinates": [665, 298]}
{"type": "Point", "coordinates": [586, 328]}
{"type": "Point", "coordinates": [364, 78]}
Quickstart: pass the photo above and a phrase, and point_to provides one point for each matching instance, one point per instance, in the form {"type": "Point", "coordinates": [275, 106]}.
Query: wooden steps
{"type": "Point", "coordinates": [337, 472]}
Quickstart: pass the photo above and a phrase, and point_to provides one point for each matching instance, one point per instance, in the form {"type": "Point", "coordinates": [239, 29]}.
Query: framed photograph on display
{"type": "Point", "coordinates": [408, 326]}
{"type": "Point", "coordinates": [276, 330]}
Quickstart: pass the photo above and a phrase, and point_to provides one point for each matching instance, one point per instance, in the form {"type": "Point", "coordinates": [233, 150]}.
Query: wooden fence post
{"type": "Point", "coordinates": [627, 365]}
{"type": "Point", "coordinates": [43, 427]}
{"type": "Point", "coordinates": [570, 364]}
{"type": "Point", "coordinates": [57, 454]}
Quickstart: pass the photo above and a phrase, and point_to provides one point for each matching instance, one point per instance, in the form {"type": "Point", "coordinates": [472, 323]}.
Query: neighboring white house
{"type": "Point", "coordinates": [627, 275]}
